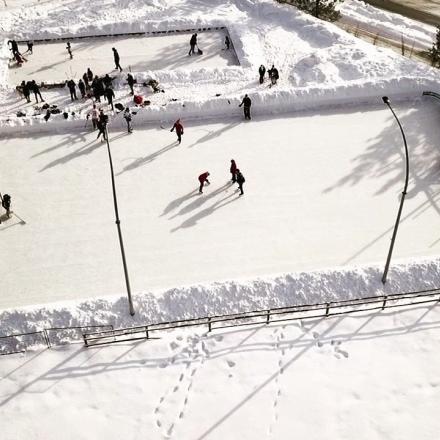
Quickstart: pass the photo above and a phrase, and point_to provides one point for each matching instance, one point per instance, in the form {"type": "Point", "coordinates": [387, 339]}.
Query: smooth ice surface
{"type": "Point", "coordinates": [50, 62]}
{"type": "Point", "coordinates": [322, 190]}
{"type": "Point", "coordinates": [369, 377]}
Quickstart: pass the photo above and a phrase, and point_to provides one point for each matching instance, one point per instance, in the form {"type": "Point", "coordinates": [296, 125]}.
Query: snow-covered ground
{"type": "Point", "coordinates": [369, 377]}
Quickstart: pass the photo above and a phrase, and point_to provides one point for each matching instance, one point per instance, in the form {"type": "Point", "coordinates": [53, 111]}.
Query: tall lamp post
{"type": "Point", "coordinates": [396, 226]}
{"type": "Point", "coordinates": [118, 225]}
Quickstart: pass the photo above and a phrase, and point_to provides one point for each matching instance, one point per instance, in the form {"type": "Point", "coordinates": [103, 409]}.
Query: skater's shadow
{"type": "Point", "coordinates": [192, 221]}
{"type": "Point", "coordinates": [177, 202]}
{"type": "Point", "coordinates": [143, 160]}
{"type": "Point", "coordinates": [86, 149]}
{"type": "Point", "coordinates": [201, 200]}
{"type": "Point", "coordinates": [213, 134]}
{"type": "Point", "coordinates": [5, 220]}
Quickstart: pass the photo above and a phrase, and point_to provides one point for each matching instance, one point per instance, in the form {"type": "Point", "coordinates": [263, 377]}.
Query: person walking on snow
{"type": "Point", "coordinates": [69, 50]}
{"type": "Point", "coordinates": [273, 75]}
{"type": "Point", "coordinates": [246, 103]}
{"type": "Point", "coordinates": [117, 59]}
{"type": "Point", "coordinates": [127, 117]}
{"type": "Point", "coordinates": [233, 171]}
{"type": "Point", "coordinates": [202, 179]}
{"type": "Point", "coordinates": [85, 79]}
{"type": "Point", "coordinates": [30, 46]}
{"type": "Point", "coordinates": [89, 75]}
{"type": "Point", "coordinates": [82, 88]}
{"type": "Point", "coordinates": [72, 89]}
{"type": "Point", "coordinates": [240, 181]}
{"type": "Point", "coordinates": [193, 44]}
{"type": "Point", "coordinates": [262, 71]}
{"type": "Point", "coordinates": [130, 81]}
{"type": "Point", "coordinates": [26, 91]}
{"type": "Point", "coordinates": [179, 130]}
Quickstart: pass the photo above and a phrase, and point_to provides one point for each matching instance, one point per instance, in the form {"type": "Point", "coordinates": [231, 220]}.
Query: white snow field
{"type": "Point", "coordinates": [50, 62]}
{"type": "Point", "coordinates": [322, 190]}
{"type": "Point", "coordinates": [369, 377]}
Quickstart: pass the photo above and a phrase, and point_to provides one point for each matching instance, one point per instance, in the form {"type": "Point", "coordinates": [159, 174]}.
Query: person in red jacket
{"type": "Point", "coordinates": [202, 179]}
{"type": "Point", "coordinates": [233, 170]}
{"type": "Point", "coordinates": [179, 130]}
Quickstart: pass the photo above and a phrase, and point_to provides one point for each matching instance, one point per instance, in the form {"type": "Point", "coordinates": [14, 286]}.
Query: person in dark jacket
{"type": "Point", "coordinates": [110, 94]}
{"type": "Point", "coordinates": [69, 50]}
{"type": "Point", "coordinates": [240, 181]}
{"type": "Point", "coordinates": [72, 89]}
{"type": "Point", "coordinates": [117, 59]}
{"type": "Point", "coordinates": [85, 79]}
{"type": "Point", "coordinates": [273, 75]}
{"type": "Point", "coordinates": [193, 44]}
{"type": "Point", "coordinates": [262, 71]}
{"type": "Point", "coordinates": [26, 91]}
{"type": "Point", "coordinates": [227, 42]}
{"type": "Point", "coordinates": [233, 170]}
{"type": "Point", "coordinates": [30, 47]}
{"type": "Point", "coordinates": [6, 203]}
{"type": "Point", "coordinates": [179, 130]}
{"type": "Point", "coordinates": [246, 103]}
{"type": "Point", "coordinates": [202, 179]}
{"type": "Point", "coordinates": [34, 88]}
{"type": "Point", "coordinates": [102, 125]}
{"type": "Point", "coordinates": [82, 88]}
{"type": "Point", "coordinates": [130, 81]}
{"type": "Point", "coordinates": [107, 81]}
{"type": "Point", "coordinates": [89, 75]}
{"type": "Point", "coordinates": [14, 46]}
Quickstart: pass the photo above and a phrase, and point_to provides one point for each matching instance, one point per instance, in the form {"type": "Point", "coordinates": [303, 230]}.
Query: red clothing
{"type": "Point", "coordinates": [203, 177]}
{"type": "Point", "coordinates": [179, 127]}
{"type": "Point", "coordinates": [233, 168]}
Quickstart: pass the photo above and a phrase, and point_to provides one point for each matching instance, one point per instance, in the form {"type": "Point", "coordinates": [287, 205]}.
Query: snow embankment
{"type": "Point", "coordinates": [319, 64]}
{"type": "Point", "coordinates": [220, 298]}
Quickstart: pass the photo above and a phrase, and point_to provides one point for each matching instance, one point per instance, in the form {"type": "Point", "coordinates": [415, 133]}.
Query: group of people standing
{"type": "Point", "coordinates": [272, 72]}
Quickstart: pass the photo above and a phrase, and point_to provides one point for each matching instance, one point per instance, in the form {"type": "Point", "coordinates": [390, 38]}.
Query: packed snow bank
{"type": "Point", "coordinates": [221, 298]}
{"type": "Point", "coordinates": [387, 24]}
{"type": "Point", "coordinates": [319, 63]}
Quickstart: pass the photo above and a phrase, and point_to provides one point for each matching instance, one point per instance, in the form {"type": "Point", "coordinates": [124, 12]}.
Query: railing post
{"type": "Point", "coordinates": [268, 317]}
{"type": "Point", "coordinates": [384, 303]}
{"type": "Point", "coordinates": [146, 331]}
{"type": "Point", "coordinates": [209, 324]}
{"type": "Point", "coordinates": [327, 309]}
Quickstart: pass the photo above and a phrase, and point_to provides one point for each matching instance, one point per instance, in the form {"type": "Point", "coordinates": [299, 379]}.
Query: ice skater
{"type": "Point", "coordinates": [130, 81]}
{"type": "Point", "coordinates": [246, 103]}
{"type": "Point", "coordinates": [69, 50]}
{"type": "Point", "coordinates": [6, 203]}
{"type": "Point", "coordinates": [102, 125]}
{"type": "Point", "coordinates": [127, 117]}
{"type": "Point", "coordinates": [233, 171]}
{"type": "Point", "coordinates": [192, 44]}
{"type": "Point", "coordinates": [262, 72]}
{"type": "Point", "coordinates": [116, 59]}
{"type": "Point", "coordinates": [179, 130]}
{"type": "Point", "coordinates": [202, 179]}
{"type": "Point", "coordinates": [72, 89]}
{"type": "Point", "coordinates": [240, 181]}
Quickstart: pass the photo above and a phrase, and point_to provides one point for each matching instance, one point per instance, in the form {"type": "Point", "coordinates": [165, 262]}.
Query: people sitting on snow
{"type": "Point", "coordinates": [154, 85]}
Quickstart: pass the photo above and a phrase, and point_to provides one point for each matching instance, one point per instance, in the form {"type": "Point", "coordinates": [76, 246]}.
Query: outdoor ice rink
{"type": "Point", "coordinates": [322, 190]}
{"type": "Point", "coordinates": [50, 62]}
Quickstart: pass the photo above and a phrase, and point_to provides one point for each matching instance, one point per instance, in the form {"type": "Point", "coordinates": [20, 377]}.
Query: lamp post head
{"type": "Point", "coordinates": [385, 99]}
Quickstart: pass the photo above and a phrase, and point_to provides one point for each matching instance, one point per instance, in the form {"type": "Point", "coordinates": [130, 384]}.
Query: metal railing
{"type": "Point", "coordinates": [43, 336]}
{"type": "Point", "coordinates": [308, 311]}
